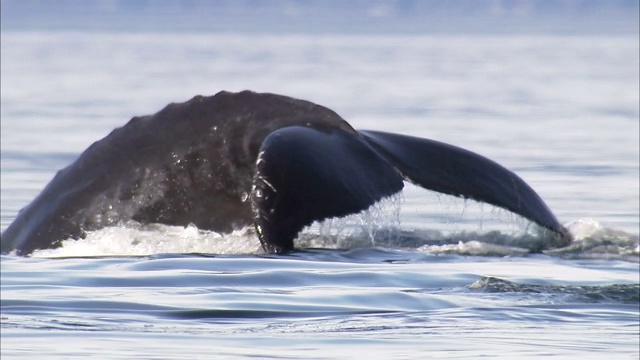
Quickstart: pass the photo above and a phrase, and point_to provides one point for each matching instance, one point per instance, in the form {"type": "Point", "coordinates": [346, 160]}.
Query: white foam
{"type": "Point", "coordinates": [583, 228]}
{"type": "Point", "coordinates": [593, 240]}
{"type": "Point", "coordinates": [378, 226]}
{"type": "Point", "coordinates": [474, 248]}
{"type": "Point", "coordinates": [136, 240]}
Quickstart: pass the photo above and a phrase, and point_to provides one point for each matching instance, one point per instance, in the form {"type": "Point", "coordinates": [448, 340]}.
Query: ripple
{"type": "Point", "coordinates": [609, 294]}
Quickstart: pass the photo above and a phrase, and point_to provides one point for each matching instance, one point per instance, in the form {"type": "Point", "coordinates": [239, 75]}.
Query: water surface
{"type": "Point", "coordinates": [422, 275]}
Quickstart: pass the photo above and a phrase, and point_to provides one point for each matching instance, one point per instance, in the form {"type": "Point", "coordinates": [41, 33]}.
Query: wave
{"type": "Point", "coordinates": [614, 293]}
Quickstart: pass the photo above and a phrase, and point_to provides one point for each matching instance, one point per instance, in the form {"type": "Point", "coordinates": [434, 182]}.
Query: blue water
{"type": "Point", "coordinates": [420, 276]}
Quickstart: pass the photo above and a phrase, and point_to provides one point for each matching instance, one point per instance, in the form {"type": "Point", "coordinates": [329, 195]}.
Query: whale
{"type": "Point", "coordinates": [232, 160]}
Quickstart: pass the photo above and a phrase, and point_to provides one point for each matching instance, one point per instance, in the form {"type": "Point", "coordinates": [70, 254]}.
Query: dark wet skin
{"type": "Point", "coordinates": [234, 159]}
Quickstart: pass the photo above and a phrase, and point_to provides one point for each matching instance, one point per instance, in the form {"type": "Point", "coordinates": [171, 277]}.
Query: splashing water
{"type": "Point", "coordinates": [372, 228]}
{"type": "Point", "coordinates": [378, 226]}
{"type": "Point", "coordinates": [140, 240]}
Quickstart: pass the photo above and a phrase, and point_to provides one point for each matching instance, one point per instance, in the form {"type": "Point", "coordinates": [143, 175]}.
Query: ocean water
{"type": "Point", "coordinates": [420, 275]}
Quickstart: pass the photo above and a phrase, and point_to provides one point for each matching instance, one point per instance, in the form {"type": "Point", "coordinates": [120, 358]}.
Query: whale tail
{"type": "Point", "coordinates": [305, 175]}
